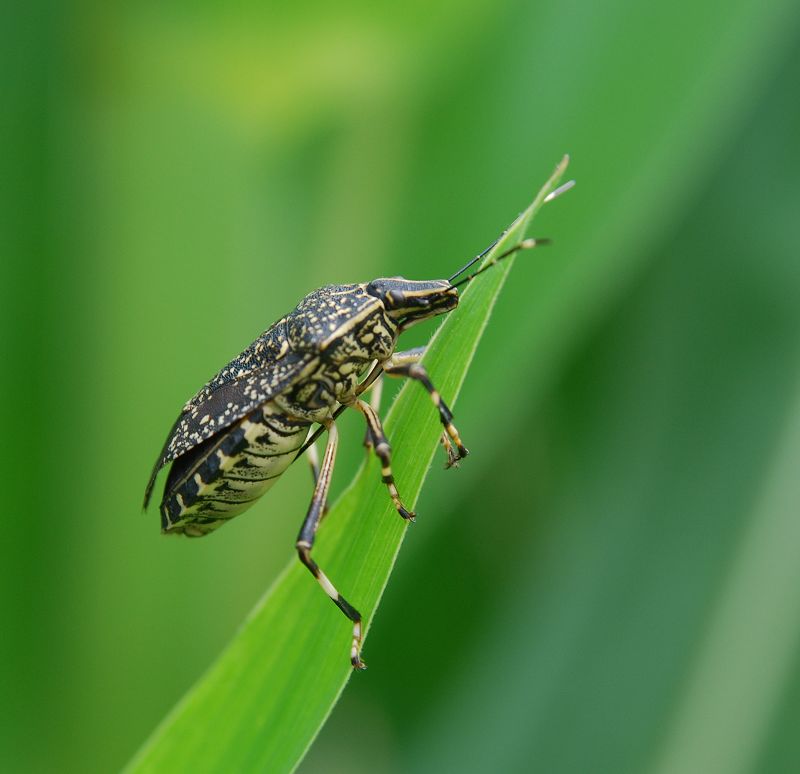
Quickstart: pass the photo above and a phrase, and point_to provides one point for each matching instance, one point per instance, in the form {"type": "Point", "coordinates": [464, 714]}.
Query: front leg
{"type": "Point", "coordinates": [407, 364]}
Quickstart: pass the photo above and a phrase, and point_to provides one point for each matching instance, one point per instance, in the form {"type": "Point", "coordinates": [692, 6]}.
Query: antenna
{"type": "Point", "coordinates": [522, 246]}
{"type": "Point", "coordinates": [477, 257]}
{"type": "Point", "coordinates": [525, 244]}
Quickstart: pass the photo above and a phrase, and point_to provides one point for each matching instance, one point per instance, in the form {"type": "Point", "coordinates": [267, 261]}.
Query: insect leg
{"type": "Point", "coordinates": [405, 357]}
{"type": "Point", "coordinates": [406, 364]}
{"type": "Point", "coordinates": [375, 405]}
{"type": "Point", "coordinates": [447, 445]}
{"type": "Point", "coordinates": [305, 542]}
{"type": "Point", "coordinates": [313, 461]}
{"type": "Point", "coordinates": [408, 357]}
{"type": "Point", "coordinates": [384, 454]}
{"type": "Point", "coordinates": [377, 392]}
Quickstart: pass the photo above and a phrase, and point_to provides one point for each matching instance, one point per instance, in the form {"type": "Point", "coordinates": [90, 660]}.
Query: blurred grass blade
{"type": "Point", "coordinates": [754, 622]}
{"type": "Point", "coordinates": [262, 703]}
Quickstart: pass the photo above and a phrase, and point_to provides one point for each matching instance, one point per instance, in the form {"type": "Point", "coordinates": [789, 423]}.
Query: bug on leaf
{"type": "Point", "coordinates": [241, 431]}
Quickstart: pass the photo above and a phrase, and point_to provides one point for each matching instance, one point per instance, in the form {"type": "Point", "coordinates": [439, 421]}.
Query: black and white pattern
{"type": "Point", "coordinates": [222, 477]}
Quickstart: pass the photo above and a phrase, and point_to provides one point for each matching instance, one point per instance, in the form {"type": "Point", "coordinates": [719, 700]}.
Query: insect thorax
{"type": "Point", "coordinates": [348, 329]}
{"type": "Point", "coordinates": [342, 323]}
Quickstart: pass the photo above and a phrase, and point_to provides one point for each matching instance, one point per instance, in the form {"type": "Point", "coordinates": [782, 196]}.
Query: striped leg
{"type": "Point", "coordinates": [305, 542]}
{"type": "Point", "coordinates": [375, 402]}
{"type": "Point", "coordinates": [406, 364]}
{"type": "Point", "coordinates": [384, 453]}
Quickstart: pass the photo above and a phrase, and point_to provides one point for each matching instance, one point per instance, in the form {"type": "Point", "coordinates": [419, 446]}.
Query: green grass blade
{"type": "Point", "coordinates": [261, 704]}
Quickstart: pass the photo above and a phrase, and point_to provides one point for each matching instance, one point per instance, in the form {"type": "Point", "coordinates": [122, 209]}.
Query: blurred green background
{"type": "Point", "coordinates": [611, 582]}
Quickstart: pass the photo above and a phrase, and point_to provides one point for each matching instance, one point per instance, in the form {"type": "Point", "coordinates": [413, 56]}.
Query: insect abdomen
{"type": "Point", "coordinates": [225, 475]}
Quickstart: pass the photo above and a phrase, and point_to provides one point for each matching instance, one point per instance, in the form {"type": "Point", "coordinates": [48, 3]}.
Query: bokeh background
{"type": "Point", "coordinates": [611, 582]}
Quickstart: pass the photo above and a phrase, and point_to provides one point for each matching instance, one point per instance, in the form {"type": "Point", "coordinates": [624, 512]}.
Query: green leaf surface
{"type": "Point", "coordinates": [262, 703]}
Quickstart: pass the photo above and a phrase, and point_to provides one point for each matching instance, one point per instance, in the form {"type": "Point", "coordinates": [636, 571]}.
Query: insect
{"type": "Point", "coordinates": [241, 431]}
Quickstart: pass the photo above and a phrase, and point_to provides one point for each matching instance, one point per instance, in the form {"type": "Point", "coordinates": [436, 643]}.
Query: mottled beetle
{"type": "Point", "coordinates": [246, 426]}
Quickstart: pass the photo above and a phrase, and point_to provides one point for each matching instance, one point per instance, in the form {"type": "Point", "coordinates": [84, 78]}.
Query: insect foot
{"type": "Point", "coordinates": [355, 650]}
{"type": "Point", "coordinates": [407, 515]}
{"type": "Point", "coordinates": [453, 457]}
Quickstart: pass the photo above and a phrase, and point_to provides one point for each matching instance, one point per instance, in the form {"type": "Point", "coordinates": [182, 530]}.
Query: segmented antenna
{"type": "Point", "coordinates": [525, 244]}
{"type": "Point", "coordinates": [549, 198]}
{"type": "Point", "coordinates": [476, 258]}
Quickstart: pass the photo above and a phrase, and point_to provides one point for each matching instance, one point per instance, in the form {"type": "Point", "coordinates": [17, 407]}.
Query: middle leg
{"type": "Point", "coordinates": [380, 444]}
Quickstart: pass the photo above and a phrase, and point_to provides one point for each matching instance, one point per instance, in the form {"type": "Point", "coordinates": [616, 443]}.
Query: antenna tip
{"type": "Point", "coordinates": [560, 190]}
{"type": "Point", "coordinates": [527, 244]}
